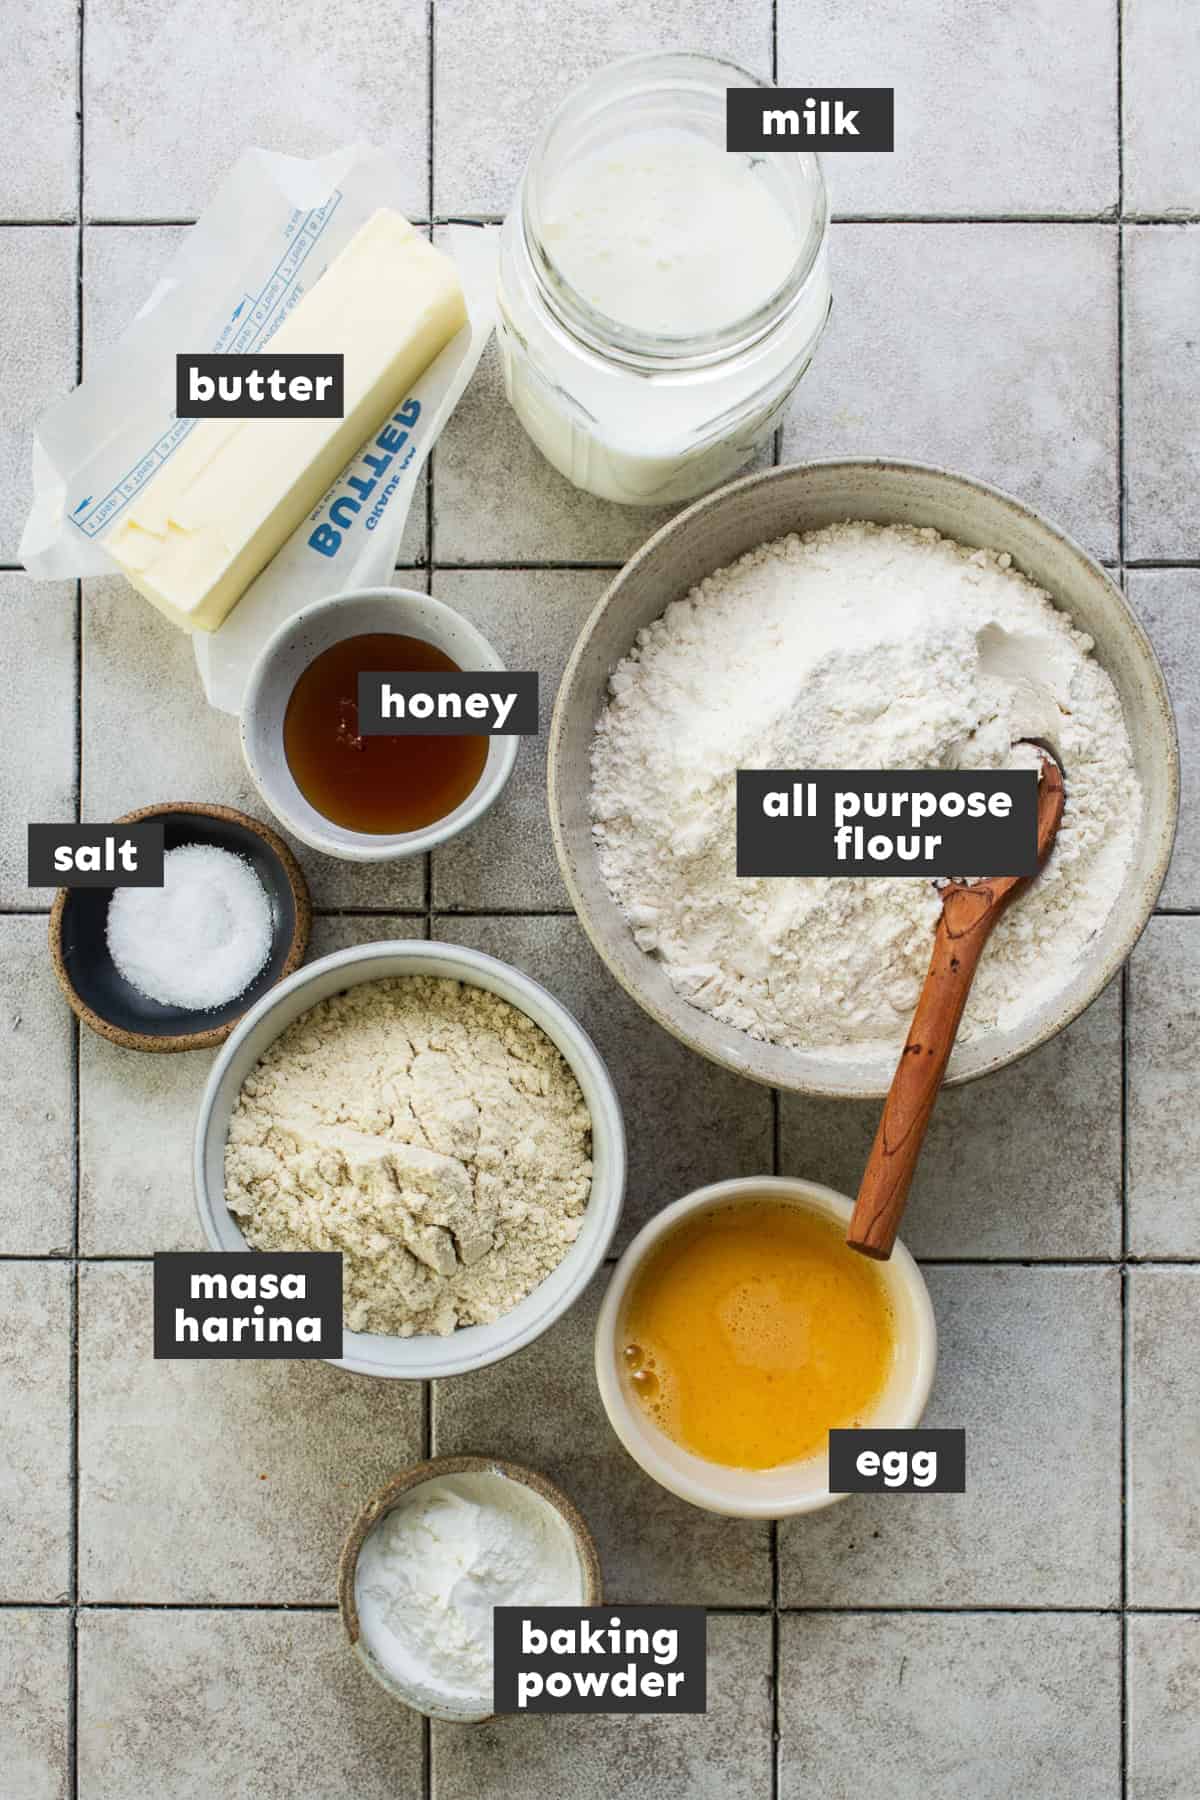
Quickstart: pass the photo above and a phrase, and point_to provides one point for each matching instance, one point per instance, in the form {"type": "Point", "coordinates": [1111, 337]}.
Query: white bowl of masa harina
{"type": "Point", "coordinates": [438, 1119]}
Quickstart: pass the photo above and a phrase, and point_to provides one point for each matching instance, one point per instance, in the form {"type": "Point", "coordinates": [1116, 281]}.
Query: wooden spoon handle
{"type": "Point", "coordinates": [958, 943]}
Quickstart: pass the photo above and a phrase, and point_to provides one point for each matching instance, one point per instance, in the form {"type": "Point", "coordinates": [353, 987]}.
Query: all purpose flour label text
{"type": "Point", "coordinates": [966, 822]}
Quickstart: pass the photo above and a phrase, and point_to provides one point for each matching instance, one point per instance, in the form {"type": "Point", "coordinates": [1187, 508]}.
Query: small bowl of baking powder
{"type": "Point", "coordinates": [430, 1557]}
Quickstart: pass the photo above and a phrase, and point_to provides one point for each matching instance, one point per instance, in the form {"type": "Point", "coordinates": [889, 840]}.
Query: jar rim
{"type": "Point", "coordinates": [662, 71]}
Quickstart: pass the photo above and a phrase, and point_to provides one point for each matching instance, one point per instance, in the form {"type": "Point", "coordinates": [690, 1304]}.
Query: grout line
{"type": "Point", "coordinates": [1182, 218]}
{"type": "Point", "coordinates": [77, 1032]}
{"type": "Point", "coordinates": [428, 1396]}
{"type": "Point", "coordinates": [751, 1610]}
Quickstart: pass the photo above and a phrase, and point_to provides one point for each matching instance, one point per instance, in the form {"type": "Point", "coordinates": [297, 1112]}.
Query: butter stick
{"type": "Point", "coordinates": [234, 491]}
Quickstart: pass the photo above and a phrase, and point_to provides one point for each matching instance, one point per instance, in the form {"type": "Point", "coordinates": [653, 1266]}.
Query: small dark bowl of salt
{"type": "Point", "coordinates": [175, 968]}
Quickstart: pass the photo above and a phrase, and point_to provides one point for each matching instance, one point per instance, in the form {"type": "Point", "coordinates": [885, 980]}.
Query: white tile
{"type": "Point", "coordinates": [1164, 1055]}
{"type": "Point", "coordinates": [35, 1430]}
{"type": "Point", "coordinates": [1168, 603]}
{"type": "Point", "coordinates": [36, 1035]}
{"type": "Point", "coordinates": [39, 146]}
{"type": "Point", "coordinates": [989, 349]}
{"type": "Point", "coordinates": [1028, 1367]}
{"type": "Point", "coordinates": [986, 1185]}
{"type": "Point", "coordinates": [245, 1705]}
{"type": "Point", "coordinates": [1164, 1722]}
{"type": "Point", "coordinates": [34, 1703]}
{"type": "Point", "coordinates": [1163, 1423]}
{"type": "Point", "coordinates": [148, 736]}
{"type": "Point", "coordinates": [999, 109]}
{"type": "Point", "coordinates": [38, 282]}
{"type": "Point", "coordinates": [37, 782]}
{"type": "Point", "coordinates": [533, 618]}
{"type": "Point", "coordinates": [723, 1754]}
{"type": "Point", "coordinates": [227, 1481]}
{"type": "Point", "coordinates": [174, 94]}
{"type": "Point", "coordinates": [1160, 52]}
{"type": "Point", "coordinates": [1162, 391]}
{"type": "Point", "coordinates": [500, 74]}
{"type": "Point", "coordinates": [137, 1119]}
{"type": "Point", "coordinates": [942, 1708]}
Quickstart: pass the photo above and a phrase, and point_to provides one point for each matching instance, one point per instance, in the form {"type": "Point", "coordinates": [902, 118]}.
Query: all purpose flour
{"type": "Point", "coordinates": [859, 646]}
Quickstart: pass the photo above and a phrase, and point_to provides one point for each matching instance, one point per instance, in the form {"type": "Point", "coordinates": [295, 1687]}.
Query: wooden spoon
{"type": "Point", "coordinates": [969, 910]}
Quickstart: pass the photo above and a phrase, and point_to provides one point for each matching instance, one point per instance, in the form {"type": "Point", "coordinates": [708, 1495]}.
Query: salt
{"type": "Point", "coordinates": [199, 940]}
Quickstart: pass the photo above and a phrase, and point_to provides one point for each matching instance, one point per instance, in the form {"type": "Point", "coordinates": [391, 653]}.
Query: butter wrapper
{"type": "Point", "coordinates": [275, 226]}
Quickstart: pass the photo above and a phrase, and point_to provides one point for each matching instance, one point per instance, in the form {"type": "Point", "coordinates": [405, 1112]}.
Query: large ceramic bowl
{"type": "Point", "coordinates": [717, 530]}
{"type": "Point", "coordinates": [420, 1358]}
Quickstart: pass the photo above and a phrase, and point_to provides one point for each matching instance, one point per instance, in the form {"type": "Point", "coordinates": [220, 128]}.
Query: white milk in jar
{"type": "Point", "coordinates": [659, 296]}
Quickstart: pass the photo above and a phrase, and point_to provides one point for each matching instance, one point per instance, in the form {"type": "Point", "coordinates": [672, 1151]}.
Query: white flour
{"type": "Point", "coordinates": [430, 1132]}
{"type": "Point", "coordinates": [859, 646]}
{"type": "Point", "coordinates": [433, 1569]}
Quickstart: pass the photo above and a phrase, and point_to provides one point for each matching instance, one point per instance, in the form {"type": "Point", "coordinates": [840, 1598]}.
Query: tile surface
{"type": "Point", "coordinates": [247, 1705]}
{"type": "Point", "coordinates": [1164, 1055]}
{"type": "Point", "coordinates": [37, 628]}
{"type": "Point", "coordinates": [990, 349]}
{"type": "Point", "coordinates": [533, 618]}
{"type": "Point", "coordinates": [172, 95]}
{"type": "Point", "coordinates": [687, 1122]}
{"type": "Point", "coordinates": [269, 1461]}
{"type": "Point", "coordinates": [1162, 134]}
{"type": "Point", "coordinates": [37, 280]}
{"type": "Point", "coordinates": [986, 1185]}
{"type": "Point", "coordinates": [1164, 1725]}
{"type": "Point", "coordinates": [137, 1118]}
{"type": "Point", "coordinates": [39, 150]}
{"type": "Point", "coordinates": [34, 1723]}
{"type": "Point", "coordinates": [978, 1705]}
{"type": "Point", "coordinates": [516, 1408]}
{"type": "Point", "coordinates": [724, 1754]}
{"type": "Point", "coordinates": [1168, 603]}
{"type": "Point", "coordinates": [36, 1030]}
{"type": "Point", "coordinates": [990, 345]}
{"type": "Point", "coordinates": [1012, 1342]}
{"type": "Point", "coordinates": [999, 109]}
{"type": "Point", "coordinates": [35, 1429]}
{"type": "Point", "coordinates": [1164, 1437]}
{"type": "Point", "coordinates": [1162, 391]}
{"type": "Point", "coordinates": [490, 105]}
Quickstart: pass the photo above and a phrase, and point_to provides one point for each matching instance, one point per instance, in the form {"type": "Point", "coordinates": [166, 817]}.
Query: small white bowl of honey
{"type": "Point", "coordinates": [367, 797]}
{"type": "Point", "coordinates": [739, 1328]}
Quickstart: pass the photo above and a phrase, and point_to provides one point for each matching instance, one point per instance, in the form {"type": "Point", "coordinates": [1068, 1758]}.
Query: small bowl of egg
{"type": "Point", "coordinates": [739, 1329]}
{"type": "Point", "coordinates": [367, 796]}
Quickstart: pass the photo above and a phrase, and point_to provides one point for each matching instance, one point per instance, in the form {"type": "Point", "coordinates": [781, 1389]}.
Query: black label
{"type": "Point", "coordinates": [897, 1462]}
{"type": "Point", "coordinates": [958, 822]}
{"type": "Point", "coordinates": [472, 702]}
{"type": "Point", "coordinates": [259, 387]}
{"type": "Point", "coordinates": [600, 1659]}
{"type": "Point", "coordinates": [248, 1304]}
{"type": "Point", "coordinates": [96, 855]}
{"type": "Point", "coordinates": [809, 119]}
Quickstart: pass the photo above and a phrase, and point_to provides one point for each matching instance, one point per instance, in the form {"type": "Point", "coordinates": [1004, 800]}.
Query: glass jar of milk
{"type": "Point", "coordinates": [659, 296]}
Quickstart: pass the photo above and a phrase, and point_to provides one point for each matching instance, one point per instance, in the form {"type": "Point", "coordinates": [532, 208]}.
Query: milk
{"type": "Point", "coordinates": [668, 234]}
{"type": "Point", "coordinates": [659, 296]}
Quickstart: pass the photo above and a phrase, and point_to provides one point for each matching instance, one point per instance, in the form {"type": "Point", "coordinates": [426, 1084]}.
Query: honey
{"type": "Point", "coordinates": [752, 1330]}
{"type": "Point", "coordinates": [377, 784]}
